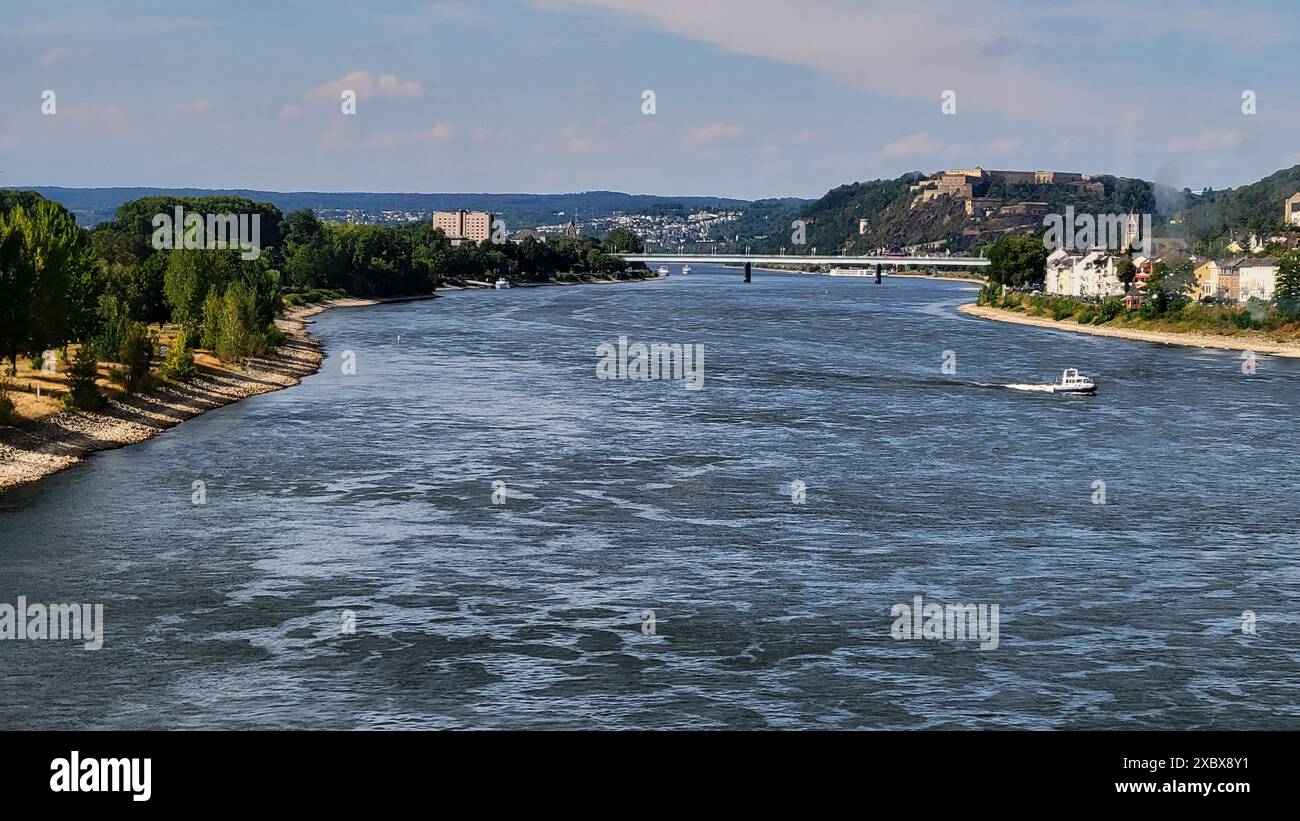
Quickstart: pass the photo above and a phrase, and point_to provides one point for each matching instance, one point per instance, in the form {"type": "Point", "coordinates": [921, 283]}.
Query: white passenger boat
{"type": "Point", "coordinates": [1074, 382]}
{"type": "Point", "coordinates": [852, 272]}
{"type": "Point", "coordinates": [501, 282]}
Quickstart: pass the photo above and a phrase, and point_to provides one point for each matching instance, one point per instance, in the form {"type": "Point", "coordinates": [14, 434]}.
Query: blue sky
{"type": "Point", "coordinates": [754, 98]}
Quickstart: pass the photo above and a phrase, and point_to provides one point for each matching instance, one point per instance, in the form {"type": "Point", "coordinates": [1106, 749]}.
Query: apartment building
{"type": "Point", "coordinates": [464, 226]}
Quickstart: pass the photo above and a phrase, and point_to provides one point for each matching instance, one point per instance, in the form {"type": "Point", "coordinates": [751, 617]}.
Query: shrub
{"type": "Point", "coordinates": [7, 415]}
{"type": "Point", "coordinates": [179, 364]}
{"type": "Point", "coordinates": [1110, 308]}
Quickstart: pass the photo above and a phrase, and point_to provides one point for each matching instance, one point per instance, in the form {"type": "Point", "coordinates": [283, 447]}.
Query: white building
{"type": "Point", "coordinates": [1090, 274]}
{"type": "Point", "coordinates": [1258, 278]}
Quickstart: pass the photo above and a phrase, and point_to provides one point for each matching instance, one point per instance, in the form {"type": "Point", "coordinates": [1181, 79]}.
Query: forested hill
{"type": "Point", "coordinates": [897, 217]}
{"type": "Point", "coordinates": [92, 206]}
{"type": "Point", "coordinates": [1255, 207]}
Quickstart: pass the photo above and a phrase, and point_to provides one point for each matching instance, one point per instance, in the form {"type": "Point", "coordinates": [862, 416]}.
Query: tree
{"type": "Point", "coordinates": [135, 353]}
{"type": "Point", "coordinates": [1126, 272]}
{"type": "Point", "coordinates": [1288, 285]}
{"type": "Point", "coordinates": [83, 393]}
{"type": "Point", "coordinates": [1171, 282]}
{"type": "Point", "coordinates": [43, 255]}
{"type": "Point", "coordinates": [17, 292]}
{"type": "Point", "coordinates": [622, 241]}
{"type": "Point", "coordinates": [237, 335]}
{"type": "Point", "coordinates": [1017, 262]}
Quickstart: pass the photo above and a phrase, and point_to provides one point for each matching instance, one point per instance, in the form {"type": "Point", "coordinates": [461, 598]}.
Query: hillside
{"type": "Point", "coordinates": [94, 205]}
{"type": "Point", "coordinates": [901, 214]}
{"type": "Point", "coordinates": [1255, 207]}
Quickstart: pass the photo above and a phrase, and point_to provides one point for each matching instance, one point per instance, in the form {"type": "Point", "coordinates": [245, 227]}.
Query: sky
{"type": "Point", "coordinates": [751, 98]}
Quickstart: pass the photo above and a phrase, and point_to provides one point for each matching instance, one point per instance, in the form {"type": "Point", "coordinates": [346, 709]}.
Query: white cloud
{"type": "Point", "coordinates": [890, 49]}
{"type": "Point", "coordinates": [392, 139]}
{"type": "Point", "coordinates": [913, 145]}
{"type": "Point", "coordinates": [367, 87]}
{"type": "Point", "coordinates": [713, 133]}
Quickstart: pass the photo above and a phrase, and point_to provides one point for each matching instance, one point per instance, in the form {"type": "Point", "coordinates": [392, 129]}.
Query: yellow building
{"type": "Point", "coordinates": [1207, 279]}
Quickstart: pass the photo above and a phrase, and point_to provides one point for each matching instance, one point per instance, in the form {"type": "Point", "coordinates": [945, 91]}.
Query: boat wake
{"type": "Point", "coordinates": [1035, 388]}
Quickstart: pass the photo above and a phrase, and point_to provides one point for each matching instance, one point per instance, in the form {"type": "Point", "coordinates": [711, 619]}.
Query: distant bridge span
{"type": "Point", "coordinates": [778, 259]}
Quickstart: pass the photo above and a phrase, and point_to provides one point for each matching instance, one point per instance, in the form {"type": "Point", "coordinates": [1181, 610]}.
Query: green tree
{"type": "Point", "coordinates": [135, 353]}
{"type": "Point", "coordinates": [83, 393]}
{"type": "Point", "coordinates": [1126, 272]}
{"type": "Point", "coordinates": [1017, 262]}
{"type": "Point", "coordinates": [17, 291]}
{"type": "Point", "coordinates": [1287, 296]}
{"type": "Point", "coordinates": [114, 319]}
{"type": "Point", "coordinates": [622, 241]}
{"type": "Point", "coordinates": [236, 336]}
{"type": "Point", "coordinates": [43, 254]}
{"type": "Point", "coordinates": [1170, 283]}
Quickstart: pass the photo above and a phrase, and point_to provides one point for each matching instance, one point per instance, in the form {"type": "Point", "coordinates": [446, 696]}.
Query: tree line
{"type": "Point", "coordinates": [104, 288]}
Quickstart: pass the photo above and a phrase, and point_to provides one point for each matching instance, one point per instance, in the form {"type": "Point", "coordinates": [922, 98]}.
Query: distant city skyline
{"type": "Point", "coordinates": [750, 99]}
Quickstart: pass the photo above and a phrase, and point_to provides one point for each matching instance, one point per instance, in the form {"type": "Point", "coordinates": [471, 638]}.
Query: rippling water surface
{"type": "Point", "coordinates": [372, 493]}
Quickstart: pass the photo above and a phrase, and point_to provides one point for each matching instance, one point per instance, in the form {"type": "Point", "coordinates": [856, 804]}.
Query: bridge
{"type": "Point", "coordinates": [782, 259]}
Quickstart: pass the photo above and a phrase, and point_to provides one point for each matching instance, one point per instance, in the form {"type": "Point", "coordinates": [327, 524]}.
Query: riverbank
{"type": "Point", "coordinates": [57, 442]}
{"type": "Point", "coordinates": [1243, 342]}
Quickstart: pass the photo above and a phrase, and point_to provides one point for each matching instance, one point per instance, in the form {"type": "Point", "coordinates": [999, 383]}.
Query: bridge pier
{"type": "Point", "coordinates": [747, 272]}
{"type": "Point", "coordinates": [878, 274]}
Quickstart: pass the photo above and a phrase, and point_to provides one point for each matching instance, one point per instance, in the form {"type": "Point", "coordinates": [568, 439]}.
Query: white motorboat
{"type": "Point", "coordinates": [501, 282]}
{"type": "Point", "coordinates": [1074, 382]}
{"type": "Point", "coordinates": [663, 270]}
{"type": "Point", "coordinates": [686, 269]}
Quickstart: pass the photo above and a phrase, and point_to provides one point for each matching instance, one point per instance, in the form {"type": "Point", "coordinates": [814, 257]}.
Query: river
{"type": "Point", "coordinates": [651, 562]}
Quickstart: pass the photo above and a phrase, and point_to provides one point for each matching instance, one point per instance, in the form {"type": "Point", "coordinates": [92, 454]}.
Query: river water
{"type": "Point", "coordinates": [652, 563]}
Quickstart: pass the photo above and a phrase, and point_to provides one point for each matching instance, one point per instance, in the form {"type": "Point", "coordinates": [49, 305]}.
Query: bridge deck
{"type": "Point", "coordinates": [741, 259]}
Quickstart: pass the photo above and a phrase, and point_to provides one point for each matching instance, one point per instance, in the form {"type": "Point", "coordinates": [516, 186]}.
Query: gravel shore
{"type": "Point", "coordinates": [1229, 343]}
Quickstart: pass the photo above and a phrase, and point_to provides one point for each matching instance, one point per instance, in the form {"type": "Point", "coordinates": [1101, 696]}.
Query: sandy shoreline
{"type": "Point", "coordinates": [1192, 340]}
